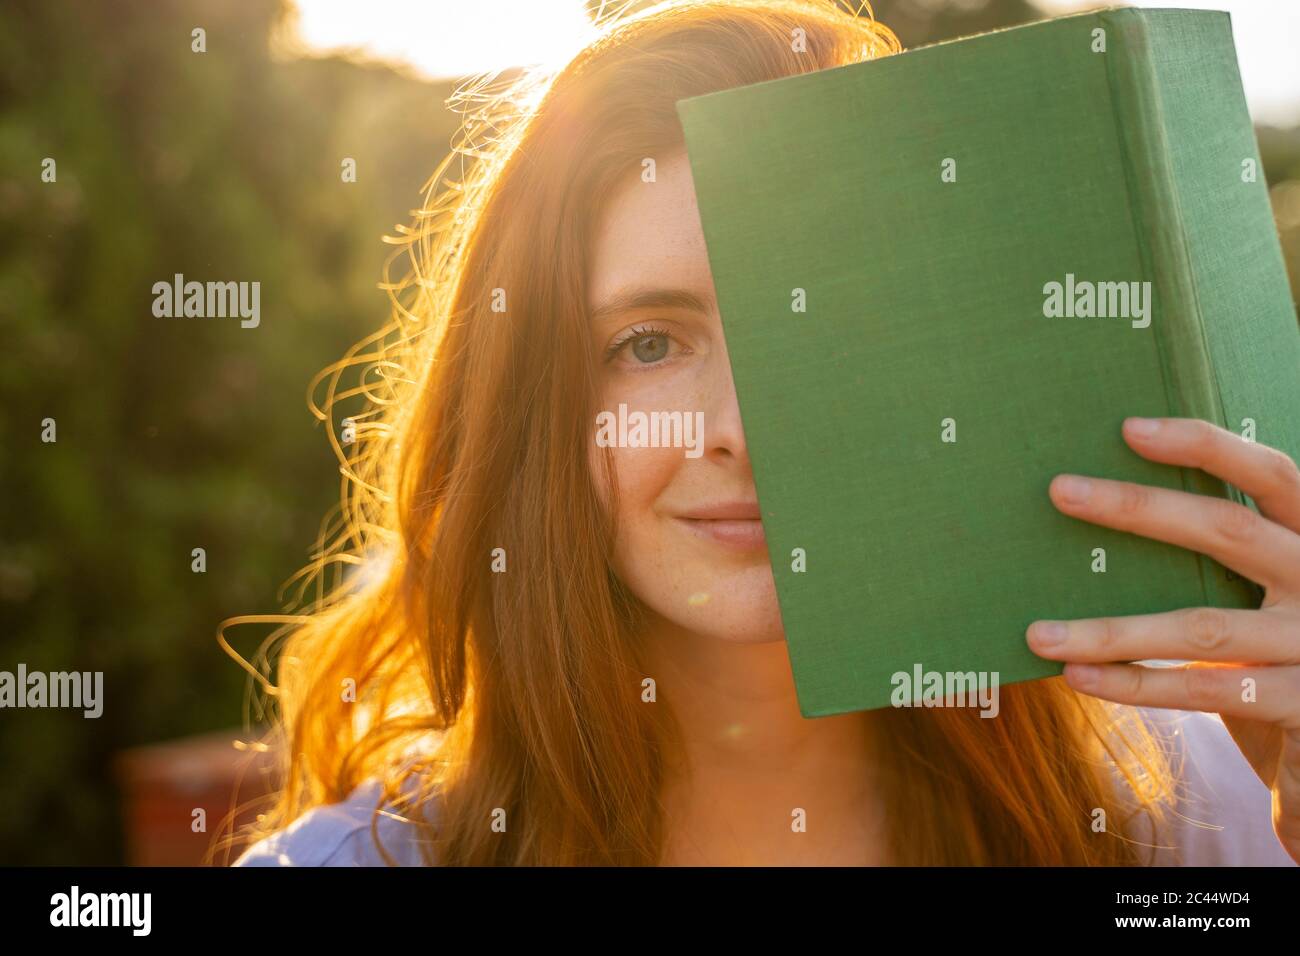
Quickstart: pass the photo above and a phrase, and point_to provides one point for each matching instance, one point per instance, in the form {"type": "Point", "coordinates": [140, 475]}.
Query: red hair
{"type": "Point", "coordinates": [520, 691]}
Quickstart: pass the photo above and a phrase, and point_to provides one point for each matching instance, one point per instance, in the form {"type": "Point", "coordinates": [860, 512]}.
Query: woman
{"type": "Point", "coordinates": [567, 654]}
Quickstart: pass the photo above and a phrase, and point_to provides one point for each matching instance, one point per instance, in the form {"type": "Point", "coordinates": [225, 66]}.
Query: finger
{"type": "Point", "coordinates": [1286, 798]}
{"type": "Point", "coordinates": [1192, 634]}
{"type": "Point", "coordinates": [1234, 535]}
{"type": "Point", "coordinates": [1267, 475]}
{"type": "Point", "coordinates": [1270, 694]}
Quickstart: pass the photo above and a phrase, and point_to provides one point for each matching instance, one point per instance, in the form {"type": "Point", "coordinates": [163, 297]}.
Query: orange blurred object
{"type": "Point", "coordinates": [165, 786]}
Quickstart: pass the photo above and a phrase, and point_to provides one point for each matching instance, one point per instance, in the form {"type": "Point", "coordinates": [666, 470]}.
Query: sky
{"type": "Point", "coordinates": [1267, 36]}
{"type": "Point", "coordinates": [439, 39]}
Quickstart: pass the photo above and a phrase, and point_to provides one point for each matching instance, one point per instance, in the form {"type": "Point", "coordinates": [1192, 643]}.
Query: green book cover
{"type": "Point", "coordinates": [884, 238]}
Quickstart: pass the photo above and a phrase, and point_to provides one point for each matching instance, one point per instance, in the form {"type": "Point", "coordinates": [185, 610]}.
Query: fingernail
{"type": "Point", "coordinates": [1073, 490]}
{"type": "Point", "coordinates": [1142, 427]}
{"type": "Point", "coordinates": [1049, 633]}
{"type": "Point", "coordinates": [1085, 675]}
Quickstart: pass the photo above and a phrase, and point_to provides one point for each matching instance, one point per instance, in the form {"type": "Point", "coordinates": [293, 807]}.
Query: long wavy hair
{"type": "Point", "coordinates": [462, 427]}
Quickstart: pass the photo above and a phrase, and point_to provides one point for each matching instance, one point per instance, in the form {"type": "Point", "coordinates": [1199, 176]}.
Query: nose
{"type": "Point", "coordinates": [724, 435]}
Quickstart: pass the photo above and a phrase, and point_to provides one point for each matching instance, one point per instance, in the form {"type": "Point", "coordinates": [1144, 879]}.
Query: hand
{"type": "Point", "coordinates": [1224, 646]}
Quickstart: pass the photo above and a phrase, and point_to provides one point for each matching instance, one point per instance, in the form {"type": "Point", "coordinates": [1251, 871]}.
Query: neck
{"type": "Point", "coordinates": [748, 760]}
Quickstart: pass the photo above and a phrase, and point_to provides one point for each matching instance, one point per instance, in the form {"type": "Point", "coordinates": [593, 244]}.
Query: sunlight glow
{"type": "Point", "coordinates": [1266, 33]}
{"type": "Point", "coordinates": [439, 39]}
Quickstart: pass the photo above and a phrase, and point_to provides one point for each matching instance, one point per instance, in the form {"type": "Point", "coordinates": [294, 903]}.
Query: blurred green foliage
{"type": "Point", "coordinates": [173, 433]}
{"type": "Point", "coordinates": [182, 433]}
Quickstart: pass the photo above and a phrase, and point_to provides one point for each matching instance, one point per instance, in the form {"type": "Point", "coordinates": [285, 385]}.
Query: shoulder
{"type": "Point", "coordinates": [340, 834]}
{"type": "Point", "coordinates": [1223, 815]}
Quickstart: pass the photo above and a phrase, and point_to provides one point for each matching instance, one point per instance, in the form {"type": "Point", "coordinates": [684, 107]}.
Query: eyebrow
{"type": "Point", "coordinates": [630, 299]}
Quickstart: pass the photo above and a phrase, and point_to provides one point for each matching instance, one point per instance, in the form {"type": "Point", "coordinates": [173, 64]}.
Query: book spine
{"type": "Point", "coordinates": [1177, 322]}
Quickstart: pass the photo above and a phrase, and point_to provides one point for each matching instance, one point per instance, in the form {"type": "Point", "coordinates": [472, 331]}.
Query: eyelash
{"type": "Point", "coordinates": [637, 332]}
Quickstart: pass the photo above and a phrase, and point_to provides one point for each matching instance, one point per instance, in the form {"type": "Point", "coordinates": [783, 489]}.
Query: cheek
{"type": "Point", "coordinates": [642, 476]}
{"type": "Point", "coordinates": [670, 572]}
{"type": "Point", "coordinates": [647, 554]}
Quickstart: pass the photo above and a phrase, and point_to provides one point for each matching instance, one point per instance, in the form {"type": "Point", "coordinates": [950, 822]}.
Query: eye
{"type": "Point", "coordinates": [648, 345]}
{"type": "Point", "coordinates": [649, 348]}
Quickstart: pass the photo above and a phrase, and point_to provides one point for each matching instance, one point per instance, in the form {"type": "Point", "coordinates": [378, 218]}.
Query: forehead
{"type": "Point", "coordinates": [649, 234]}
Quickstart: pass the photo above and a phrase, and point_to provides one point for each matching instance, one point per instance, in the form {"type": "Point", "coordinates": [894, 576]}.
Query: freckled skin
{"type": "Point", "coordinates": [714, 641]}
{"type": "Point", "coordinates": [650, 235]}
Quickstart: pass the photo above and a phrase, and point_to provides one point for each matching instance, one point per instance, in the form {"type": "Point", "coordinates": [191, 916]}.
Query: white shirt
{"type": "Point", "coordinates": [1224, 812]}
{"type": "Point", "coordinates": [1216, 788]}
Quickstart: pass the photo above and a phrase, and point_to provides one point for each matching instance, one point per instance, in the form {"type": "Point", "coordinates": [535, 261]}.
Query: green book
{"type": "Point", "coordinates": [947, 276]}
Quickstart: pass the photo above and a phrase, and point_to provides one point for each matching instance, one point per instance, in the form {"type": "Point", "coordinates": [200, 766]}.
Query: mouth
{"type": "Point", "coordinates": [737, 534]}
{"type": "Point", "coordinates": [736, 526]}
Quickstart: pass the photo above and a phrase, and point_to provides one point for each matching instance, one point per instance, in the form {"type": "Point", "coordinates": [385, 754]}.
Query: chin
{"type": "Point", "coordinates": [744, 629]}
{"type": "Point", "coordinates": [738, 607]}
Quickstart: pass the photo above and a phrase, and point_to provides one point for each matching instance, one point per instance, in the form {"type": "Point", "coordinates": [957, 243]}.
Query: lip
{"type": "Point", "coordinates": [725, 511]}
{"type": "Point", "coordinates": [733, 525]}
